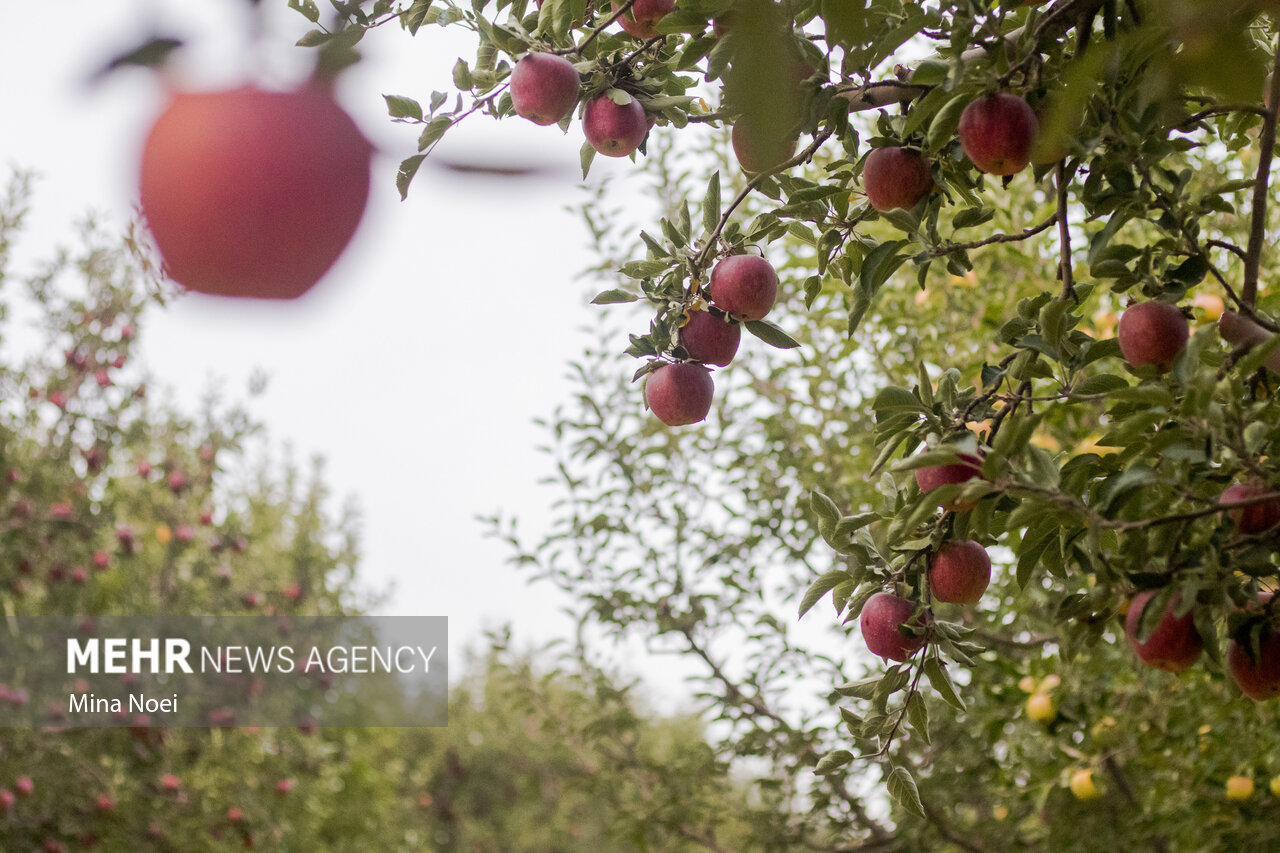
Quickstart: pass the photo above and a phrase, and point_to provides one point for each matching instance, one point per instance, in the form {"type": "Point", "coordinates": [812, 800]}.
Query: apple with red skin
{"type": "Point", "coordinates": [744, 286]}
{"type": "Point", "coordinates": [7, 799]}
{"type": "Point", "coordinates": [998, 133]}
{"type": "Point", "coordinates": [881, 621]}
{"type": "Point", "coordinates": [959, 572]}
{"type": "Point", "coordinates": [710, 339]}
{"type": "Point", "coordinates": [934, 476]}
{"type": "Point", "coordinates": [23, 786]}
{"type": "Point", "coordinates": [284, 786]}
{"type": "Point", "coordinates": [105, 803]}
{"type": "Point", "coordinates": [1152, 333]}
{"type": "Point", "coordinates": [758, 151]}
{"type": "Point", "coordinates": [1174, 645]}
{"type": "Point", "coordinates": [896, 177]}
{"type": "Point", "coordinates": [679, 394]}
{"type": "Point", "coordinates": [1259, 678]}
{"type": "Point", "coordinates": [544, 88]}
{"type": "Point", "coordinates": [253, 193]}
{"type": "Point", "coordinates": [613, 129]}
{"type": "Point", "coordinates": [1257, 518]}
{"type": "Point", "coordinates": [641, 20]}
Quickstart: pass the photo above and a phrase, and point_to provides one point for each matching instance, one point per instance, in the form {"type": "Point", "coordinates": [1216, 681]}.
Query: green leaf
{"type": "Point", "coordinates": [833, 761]}
{"type": "Point", "coordinates": [902, 787]}
{"type": "Point", "coordinates": [893, 399]}
{"type": "Point", "coordinates": [404, 176]}
{"type": "Point", "coordinates": [399, 106]}
{"type": "Point", "coordinates": [643, 269]}
{"type": "Point", "coordinates": [313, 39]}
{"type": "Point", "coordinates": [941, 682]}
{"type": "Point", "coordinates": [942, 130]}
{"type": "Point", "coordinates": [825, 509]}
{"type": "Point", "coordinates": [971, 216]}
{"type": "Point", "coordinates": [771, 334]}
{"type": "Point", "coordinates": [308, 9]}
{"type": "Point", "coordinates": [462, 75]}
{"type": "Point", "coordinates": [585, 156]}
{"type": "Point", "coordinates": [613, 297]}
{"type": "Point", "coordinates": [824, 584]}
{"type": "Point", "coordinates": [711, 203]}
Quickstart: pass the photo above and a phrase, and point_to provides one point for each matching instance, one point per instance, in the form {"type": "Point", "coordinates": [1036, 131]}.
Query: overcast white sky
{"type": "Point", "coordinates": [417, 366]}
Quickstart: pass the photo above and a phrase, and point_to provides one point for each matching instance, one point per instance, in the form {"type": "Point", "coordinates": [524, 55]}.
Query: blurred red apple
{"type": "Point", "coordinates": [1152, 333]}
{"type": "Point", "coordinates": [1174, 645]}
{"type": "Point", "coordinates": [642, 19]}
{"type": "Point", "coordinates": [896, 177]}
{"type": "Point", "coordinates": [253, 193]}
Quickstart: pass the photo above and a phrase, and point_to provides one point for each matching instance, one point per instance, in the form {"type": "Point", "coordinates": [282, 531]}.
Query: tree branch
{"type": "Point", "coordinates": [1258, 214]}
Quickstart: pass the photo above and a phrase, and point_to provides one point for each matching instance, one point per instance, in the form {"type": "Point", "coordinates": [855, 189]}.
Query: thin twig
{"type": "Point", "coordinates": [948, 248]}
{"type": "Point", "coordinates": [1064, 234]}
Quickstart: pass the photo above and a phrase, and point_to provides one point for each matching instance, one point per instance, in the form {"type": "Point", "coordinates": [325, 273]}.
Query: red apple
{"type": "Point", "coordinates": [1152, 333]}
{"type": "Point", "coordinates": [614, 130]}
{"type": "Point", "coordinates": [710, 339]}
{"type": "Point", "coordinates": [1174, 645]}
{"type": "Point", "coordinates": [642, 19]}
{"type": "Point", "coordinates": [544, 88]}
{"type": "Point", "coordinates": [744, 286]}
{"type": "Point", "coordinates": [253, 193]}
{"type": "Point", "coordinates": [23, 786]}
{"type": "Point", "coordinates": [7, 799]}
{"type": "Point", "coordinates": [1257, 518]}
{"type": "Point", "coordinates": [959, 572]}
{"type": "Point", "coordinates": [934, 476]}
{"type": "Point", "coordinates": [235, 815]}
{"type": "Point", "coordinates": [1259, 678]}
{"type": "Point", "coordinates": [105, 803]}
{"type": "Point", "coordinates": [998, 132]}
{"type": "Point", "coordinates": [882, 620]}
{"type": "Point", "coordinates": [680, 393]}
{"type": "Point", "coordinates": [758, 151]}
{"type": "Point", "coordinates": [896, 177]}
{"type": "Point", "coordinates": [284, 786]}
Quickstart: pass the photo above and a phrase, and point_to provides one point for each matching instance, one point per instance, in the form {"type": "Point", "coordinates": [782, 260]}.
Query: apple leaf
{"type": "Point", "coordinates": [404, 176]}
{"type": "Point", "coordinates": [308, 9]}
{"type": "Point", "coordinates": [399, 106]}
{"type": "Point", "coordinates": [824, 584]}
{"type": "Point", "coordinates": [711, 203]}
{"type": "Point", "coordinates": [941, 682]}
{"type": "Point", "coordinates": [614, 297]}
{"type": "Point", "coordinates": [833, 761]}
{"type": "Point", "coordinates": [585, 156]}
{"type": "Point", "coordinates": [413, 17]}
{"type": "Point", "coordinates": [771, 334]}
{"type": "Point", "coordinates": [902, 787]}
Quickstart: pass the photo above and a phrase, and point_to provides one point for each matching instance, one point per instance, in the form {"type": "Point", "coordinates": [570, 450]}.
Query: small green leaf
{"type": "Point", "coordinates": [819, 588]}
{"type": "Point", "coordinates": [313, 39]}
{"type": "Point", "coordinates": [614, 297]}
{"type": "Point", "coordinates": [585, 156]}
{"type": "Point", "coordinates": [462, 75]}
{"type": "Point", "coordinates": [711, 203]}
{"type": "Point", "coordinates": [903, 789]}
{"type": "Point", "coordinates": [771, 334]}
{"type": "Point", "coordinates": [399, 106]}
{"type": "Point", "coordinates": [408, 168]}
{"type": "Point", "coordinates": [941, 682]}
{"type": "Point", "coordinates": [833, 761]}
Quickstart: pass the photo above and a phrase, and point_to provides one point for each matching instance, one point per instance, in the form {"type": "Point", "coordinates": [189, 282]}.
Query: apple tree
{"type": "Point", "coordinates": [982, 233]}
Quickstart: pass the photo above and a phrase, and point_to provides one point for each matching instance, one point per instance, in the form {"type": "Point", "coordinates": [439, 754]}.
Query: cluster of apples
{"type": "Point", "coordinates": [742, 288]}
{"type": "Point", "coordinates": [545, 89]}
{"type": "Point", "coordinates": [1155, 333]}
{"type": "Point", "coordinates": [958, 573]}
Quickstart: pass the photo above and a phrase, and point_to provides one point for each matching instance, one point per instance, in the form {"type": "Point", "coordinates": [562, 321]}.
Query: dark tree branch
{"type": "Point", "coordinates": [1258, 214]}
